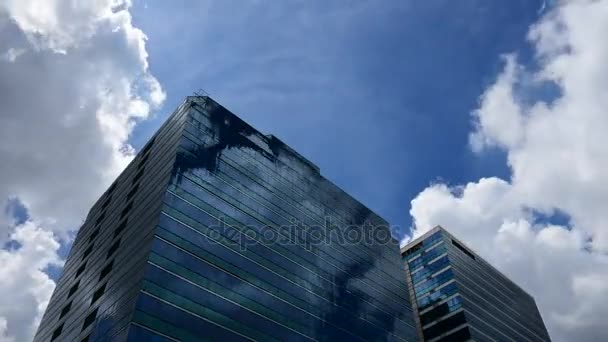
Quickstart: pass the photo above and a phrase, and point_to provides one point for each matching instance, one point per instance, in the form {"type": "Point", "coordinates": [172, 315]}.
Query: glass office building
{"type": "Point", "coordinates": [218, 232]}
{"type": "Point", "coordinates": [460, 297]}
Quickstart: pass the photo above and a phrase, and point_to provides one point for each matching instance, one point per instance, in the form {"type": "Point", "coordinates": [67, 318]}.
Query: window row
{"type": "Point", "coordinates": [208, 260]}
{"type": "Point", "coordinates": [260, 225]}
{"type": "Point", "coordinates": [296, 267]}
{"type": "Point", "coordinates": [419, 248]}
{"type": "Point", "coordinates": [426, 257]}
{"type": "Point", "coordinates": [437, 296]}
{"type": "Point", "coordinates": [428, 285]}
{"type": "Point", "coordinates": [444, 326]}
{"type": "Point", "coordinates": [444, 309]}
{"type": "Point", "coordinates": [429, 269]}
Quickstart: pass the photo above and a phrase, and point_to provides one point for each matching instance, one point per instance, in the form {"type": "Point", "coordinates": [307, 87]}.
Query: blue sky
{"type": "Point", "coordinates": [378, 94]}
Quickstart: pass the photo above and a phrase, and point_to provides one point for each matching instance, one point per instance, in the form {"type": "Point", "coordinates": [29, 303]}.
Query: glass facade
{"type": "Point", "coordinates": [460, 297]}
{"type": "Point", "coordinates": [216, 231]}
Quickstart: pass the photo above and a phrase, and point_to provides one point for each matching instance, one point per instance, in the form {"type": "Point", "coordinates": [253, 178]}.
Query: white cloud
{"type": "Point", "coordinates": [4, 331]}
{"type": "Point", "coordinates": [75, 80]}
{"type": "Point", "coordinates": [25, 288]}
{"type": "Point", "coordinates": [12, 54]}
{"type": "Point", "coordinates": [558, 157]}
{"type": "Point", "coordinates": [501, 117]}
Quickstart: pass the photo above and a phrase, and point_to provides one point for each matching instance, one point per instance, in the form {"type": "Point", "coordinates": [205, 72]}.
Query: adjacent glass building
{"type": "Point", "coordinates": [218, 232]}
{"type": "Point", "coordinates": [460, 297]}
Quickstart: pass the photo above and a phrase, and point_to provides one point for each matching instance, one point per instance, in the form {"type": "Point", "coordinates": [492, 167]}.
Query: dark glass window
{"type": "Point", "coordinates": [120, 228]}
{"type": "Point", "coordinates": [428, 285]}
{"type": "Point", "coordinates": [106, 270]}
{"type": "Point", "coordinates": [113, 248]}
{"type": "Point", "coordinates": [73, 289]}
{"type": "Point", "coordinates": [143, 161]}
{"type": "Point", "coordinates": [464, 250]}
{"type": "Point", "coordinates": [98, 293]}
{"type": "Point", "coordinates": [126, 210]}
{"type": "Point", "coordinates": [441, 310]}
{"type": "Point", "coordinates": [94, 235]}
{"type": "Point", "coordinates": [413, 249]}
{"type": "Point", "coordinates": [89, 319]}
{"type": "Point", "coordinates": [87, 251]}
{"type": "Point", "coordinates": [429, 269]}
{"type": "Point", "coordinates": [444, 326]}
{"type": "Point", "coordinates": [86, 338]}
{"type": "Point", "coordinates": [459, 335]}
{"type": "Point", "coordinates": [138, 175]}
{"type": "Point", "coordinates": [112, 187]}
{"type": "Point", "coordinates": [419, 248]}
{"type": "Point", "coordinates": [437, 296]}
{"type": "Point", "coordinates": [65, 310]}
{"type": "Point", "coordinates": [132, 192]}
{"type": "Point", "coordinates": [106, 202]}
{"type": "Point", "coordinates": [57, 332]}
{"type": "Point", "coordinates": [100, 218]}
{"type": "Point", "coordinates": [427, 256]}
{"type": "Point", "coordinates": [80, 270]}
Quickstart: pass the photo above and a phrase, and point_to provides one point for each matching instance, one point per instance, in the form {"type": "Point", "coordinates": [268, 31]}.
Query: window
{"type": "Point", "coordinates": [90, 319]}
{"type": "Point", "coordinates": [464, 250]}
{"type": "Point", "coordinates": [73, 289]}
{"type": "Point", "coordinates": [143, 161]}
{"type": "Point", "coordinates": [126, 210]}
{"type": "Point", "coordinates": [427, 285]}
{"type": "Point", "coordinates": [458, 335]}
{"type": "Point", "coordinates": [429, 269]}
{"type": "Point", "coordinates": [132, 192]}
{"type": "Point", "coordinates": [113, 248]}
{"type": "Point", "coordinates": [80, 270]}
{"type": "Point", "coordinates": [120, 228]}
{"type": "Point", "coordinates": [106, 270]}
{"type": "Point", "coordinates": [444, 326]}
{"type": "Point", "coordinates": [65, 310]}
{"type": "Point", "coordinates": [419, 248]}
{"type": "Point", "coordinates": [100, 218]}
{"type": "Point", "coordinates": [426, 257]}
{"type": "Point", "coordinates": [107, 202]}
{"type": "Point", "coordinates": [57, 332]}
{"type": "Point", "coordinates": [94, 235]}
{"type": "Point", "coordinates": [138, 176]}
{"type": "Point", "coordinates": [413, 249]}
{"type": "Point", "coordinates": [86, 339]}
{"type": "Point", "coordinates": [441, 310]}
{"type": "Point", "coordinates": [437, 296]}
{"type": "Point", "coordinates": [98, 293]}
{"type": "Point", "coordinates": [88, 251]}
